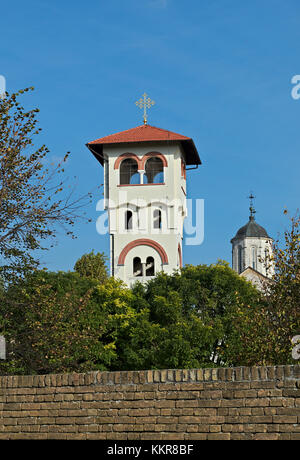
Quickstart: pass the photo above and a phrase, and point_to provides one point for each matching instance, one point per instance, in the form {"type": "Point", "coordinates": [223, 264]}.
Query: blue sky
{"type": "Point", "coordinates": [220, 72]}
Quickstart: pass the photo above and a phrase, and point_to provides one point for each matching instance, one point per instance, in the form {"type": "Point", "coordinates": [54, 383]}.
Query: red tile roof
{"type": "Point", "coordinates": [141, 133]}
{"type": "Point", "coordinates": [146, 133]}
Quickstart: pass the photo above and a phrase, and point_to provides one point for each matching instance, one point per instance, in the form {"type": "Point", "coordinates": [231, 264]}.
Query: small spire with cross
{"type": "Point", "coordinates": [145, 103]}
{"type": "Point", "coordinates": [251, 208]}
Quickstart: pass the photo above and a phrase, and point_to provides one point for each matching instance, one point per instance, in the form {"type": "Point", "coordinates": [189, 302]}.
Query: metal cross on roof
{"type": "Point", "coordinates": [145, 103]}
{"type": "Point", "coordinates": [251, 209]}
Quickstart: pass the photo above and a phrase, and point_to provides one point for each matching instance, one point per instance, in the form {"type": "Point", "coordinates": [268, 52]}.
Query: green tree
{"type": "Point", "coordinates": [264, 331]}
{"type": "Point", "coordinates": [164, 337]}
{"type": "Point", "coordinates": [92, 266]}
{"type": "Point", "coordinates": [34, 198]}
{"type": "Point", "coordinates": [185, 318]}
{"type": "Point", "coordinates": [62, 322]}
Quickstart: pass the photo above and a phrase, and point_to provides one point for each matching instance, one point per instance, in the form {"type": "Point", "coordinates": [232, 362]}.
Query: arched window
{"type": "Point", "coordinates": [253, 256]}
{"type": "Point", "coordinates": [150, 270]}
{"type": "Point", "coordinates": [128, 220]}
{"type": "Point", "coordinates": [157, 218]}
{"type": "Point", "coordinates": [240, 259]}
{"type": "Point", "coordinates": [154, 171]}
{"type": "Point", "coordinates": [137, 267]}
{"type": "Point", "coordinates": [129, 172]}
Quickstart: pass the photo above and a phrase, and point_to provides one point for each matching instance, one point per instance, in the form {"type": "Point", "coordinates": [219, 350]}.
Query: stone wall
{"type": "Point", "coordinates": [231, 403]}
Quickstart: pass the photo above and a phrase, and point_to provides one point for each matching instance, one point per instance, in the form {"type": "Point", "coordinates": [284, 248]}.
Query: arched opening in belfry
{"type": "Point", "coordinates": [129, 172]}
{"type": "Point", "coordinates": [150, 269]}
{"type": "Point", "coordinates": [154, 171]}
{"type": "Point", "coordinates": [137, 267]}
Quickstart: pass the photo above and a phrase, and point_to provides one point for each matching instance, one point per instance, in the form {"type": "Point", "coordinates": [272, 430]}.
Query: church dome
{"type": "Point", "coordinates": [251, 229]}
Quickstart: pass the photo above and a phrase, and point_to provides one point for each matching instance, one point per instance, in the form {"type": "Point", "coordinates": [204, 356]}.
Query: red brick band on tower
{"type": "Point", "coordinates": [125, 156]}
{"type": "Point", "coordinates": [143, 242]}
{"type": "Point", "coordinates": [154, 155]}
{"type": "Point", "coordinates": [140, 161]}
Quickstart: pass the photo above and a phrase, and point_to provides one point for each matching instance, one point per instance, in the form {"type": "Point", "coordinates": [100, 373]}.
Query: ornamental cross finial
{"type": "Point", "coordinates": [145, 103]}
{"type": "Point", "coordinates": [251, 209]}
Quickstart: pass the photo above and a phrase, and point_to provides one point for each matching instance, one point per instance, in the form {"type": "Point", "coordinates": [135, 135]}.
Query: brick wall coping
{"type": "Point", "coordinates": [231, 374]}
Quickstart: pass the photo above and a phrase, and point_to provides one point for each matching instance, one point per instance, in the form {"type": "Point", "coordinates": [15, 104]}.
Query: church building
{"type": "Point", "coordinates": [145, 195]}
{"type": "Point", "coordinates": [252, 251]}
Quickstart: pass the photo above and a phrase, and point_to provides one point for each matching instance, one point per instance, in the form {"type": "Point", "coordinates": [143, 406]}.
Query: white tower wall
{"type": "Point", "coordinates": [253, 252]}
{"type": "Point", "coordinates": [163, 244]}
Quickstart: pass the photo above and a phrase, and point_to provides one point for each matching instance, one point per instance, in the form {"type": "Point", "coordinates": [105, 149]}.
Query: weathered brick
{"type": "Point", "coordinates": [215, 428]}
{"type": "Point", "coordinates": [288, 411]}
{"type": "Point", "coordinates": [196, 436]}
{"type": "Point", "coordinates": [185, 375]}
{"type": "Point", "coordinates": [255, 428]}
{"type": "Point", "coordinates": [199, 374]}
{"type": "Point", "coordinates": [289, 428]}
{"type": "Point", "coordinates": [245, 394]}
{"type": "Point", "coordinates": [150, 376]}
{"type": "Point", "coordinates": [237, 385]}
{"type": "Point", "coordinates": [266, 436]}
{"type": "Point", "coordinates": [284, 419]}
{"type": "Point", "coordinates": [218, 436]}
{"type": "Point", "coordinates": [258, 402]}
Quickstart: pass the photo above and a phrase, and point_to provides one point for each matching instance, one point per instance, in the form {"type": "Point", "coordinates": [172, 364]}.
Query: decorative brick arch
{"type": "Point", "coordinates": [153, 155]}
{"type": "Point", "coordinates": [125, 156]}
{"type": "Point", "coordinates": [143, 242]}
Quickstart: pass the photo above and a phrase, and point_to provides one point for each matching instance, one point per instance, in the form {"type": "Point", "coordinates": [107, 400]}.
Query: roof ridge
{"type": "Point", "coordinates": [253, 269]}
{"type": "Point", "coordinates": [126, 131]}
{"type": "Point", "coordinates": [167, 131]}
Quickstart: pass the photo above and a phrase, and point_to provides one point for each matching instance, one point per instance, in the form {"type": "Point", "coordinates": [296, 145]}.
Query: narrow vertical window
{"type": "Point", "coordinates": [150, 269]}
{"type": "Point", "coordinates": [254, 258]}
{"type": "Point", "coordinates": [137, 267]}
{"type": "Point", "coordinates": [128, 220]}
{"type": "Point", "coordinates": [240, 259]}
{"type": "Point", "coordinates": [157, 218]}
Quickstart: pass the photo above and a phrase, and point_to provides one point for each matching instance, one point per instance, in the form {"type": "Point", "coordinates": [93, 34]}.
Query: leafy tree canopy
{"type": "Point", "coordinates": [35, 199]}
{"type": "Point", "coordinates": [92, 266]}
{"type": "Point", "coordinates": [62, 322]}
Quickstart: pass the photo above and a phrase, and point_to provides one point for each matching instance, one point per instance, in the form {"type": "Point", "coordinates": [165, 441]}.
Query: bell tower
{"type": "Point", "coordinates": [145, 196]}
{"type": "Point", "coordinates": [252, 247]}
